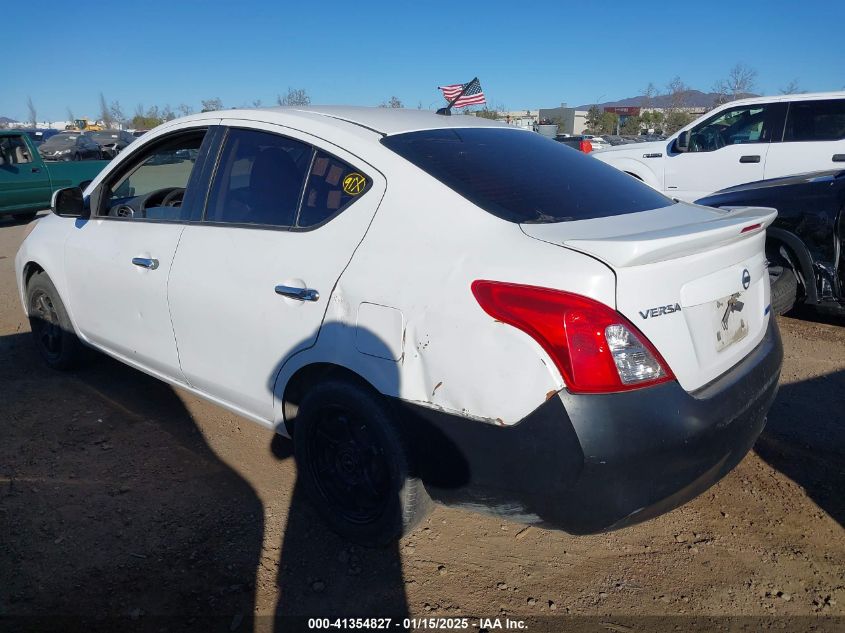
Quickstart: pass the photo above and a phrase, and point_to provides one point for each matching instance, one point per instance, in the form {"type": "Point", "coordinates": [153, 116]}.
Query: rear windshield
{"type": "Point", "coordinates": [105, 135]}
{"type": "Point", "coordinates": [524, 177]}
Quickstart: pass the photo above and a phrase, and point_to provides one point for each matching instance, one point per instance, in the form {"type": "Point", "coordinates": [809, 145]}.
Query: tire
{"type": "Point", "coordinates": [51, 327]}
{"type": "Point", "coordinates": [353, 467]}
{"type": "Point", "coordinates": [784, 285]}
{"type": "Point", "coordinates": [26, 218]}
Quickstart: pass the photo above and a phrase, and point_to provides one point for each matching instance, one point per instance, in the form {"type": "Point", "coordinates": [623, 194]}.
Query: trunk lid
{"type": "Point", "coordinates": [693, 279]}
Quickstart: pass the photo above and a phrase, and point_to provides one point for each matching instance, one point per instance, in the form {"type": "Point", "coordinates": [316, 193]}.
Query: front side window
{"type": "Point", "coordinates": [259, 179]}
{"type": "Point", "coordinates": [153, 185]}
{"type": "Point", "coordinates": [735, 126]}
{"type": "Point", "coordinates": [815, 121]}
{"type": "Point", "coordinates": [14, 151]}
{"type": "Point", "coordinates": [521, 176]}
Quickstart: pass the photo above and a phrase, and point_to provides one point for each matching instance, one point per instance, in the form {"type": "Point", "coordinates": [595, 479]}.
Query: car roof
{"type": "Point", "coordinates": [383, 121]}
{"type": "Point", "coordinates": [810, 96]}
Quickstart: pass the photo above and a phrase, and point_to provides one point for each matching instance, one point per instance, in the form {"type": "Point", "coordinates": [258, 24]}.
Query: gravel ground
{"type": "Point", "coordinates": [121, 497]}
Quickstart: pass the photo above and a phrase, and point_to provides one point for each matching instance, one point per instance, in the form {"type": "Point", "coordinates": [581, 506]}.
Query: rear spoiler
{"type": "Point", "coordinates": [678, 241]}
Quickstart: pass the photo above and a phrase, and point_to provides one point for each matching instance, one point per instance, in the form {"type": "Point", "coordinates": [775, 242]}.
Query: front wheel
{"type": "Point", "coordinates": [26, 218]}
{"type": "Point", "coordinates": [51, 327]}
{"type": "Point", "coordinates": [353, 466]}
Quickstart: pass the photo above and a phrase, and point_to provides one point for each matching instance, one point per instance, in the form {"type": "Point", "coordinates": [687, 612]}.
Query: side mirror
{"type": "Point", "coordinates": [682, 142]}
{"type": "Point", "coordinates": [68, 203]}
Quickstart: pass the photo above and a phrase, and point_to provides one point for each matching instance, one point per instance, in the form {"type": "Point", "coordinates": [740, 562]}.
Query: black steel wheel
{"type": "Point", "coordinates": [353, 466]}
{"type": "Point", "coordinates": [52, 331]}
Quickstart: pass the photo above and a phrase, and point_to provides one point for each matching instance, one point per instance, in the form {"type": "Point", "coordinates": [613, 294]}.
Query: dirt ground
{"type": "Point", "coordinates": [126, 502]}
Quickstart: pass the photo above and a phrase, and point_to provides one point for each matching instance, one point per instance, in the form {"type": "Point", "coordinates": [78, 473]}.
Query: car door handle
{"type": "Point", "coordinates": [301, 294]}
{"type": "Point", "coordinates": [145, 262]}
{"type": "Point", "coordinates": [754, 158]}
{"type": "Point", "coordinates": [36, 170]}
{"type": "Point", "coordinates": [839, 158]}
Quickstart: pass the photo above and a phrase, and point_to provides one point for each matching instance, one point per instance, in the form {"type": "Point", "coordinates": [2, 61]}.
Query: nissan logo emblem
{"type": "Point", "coordinates": [746, 279]}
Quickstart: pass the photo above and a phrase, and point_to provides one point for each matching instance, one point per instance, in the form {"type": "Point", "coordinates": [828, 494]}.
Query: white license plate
{"type": "Point", "coordinates": [730, 320]}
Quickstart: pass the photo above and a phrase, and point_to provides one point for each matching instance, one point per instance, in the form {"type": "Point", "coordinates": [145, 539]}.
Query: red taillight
{"type": "Point", "coordinates": [751, 227]}
{"type": "Point", "coordinates": [585, 146]}
{"type": "Point", "coordinates": [595, 348]}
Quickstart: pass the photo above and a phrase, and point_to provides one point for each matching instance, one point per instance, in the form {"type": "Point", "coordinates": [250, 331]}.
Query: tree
{"type": "Point", "coordinates": [593, 120]}
{"type": "Point", "coordinates": [740, 81]}
{"type": "Point", "coordinates": [146, 119]}
{"type": "Point", "coordinates": [633, 125]}
{"type": "Point", "coordinates": [117, 115]}
{"type": "Point", "coordinates": [33, 114]}
{"type": "Point", "coordinates": [167, 113]}
{"type": "Point", "coordinates": [676, 115]}
{"type": "Point", "coordinates": [393, 102]}
{"type": "Point", "coordinates": [487, 113]}
{"type": "Point", "coordinates": [256, 103]}
{"type": "Point", "coordinates": [105, 113]}
{"type": "Point", "coordinates": [792, 88]}
{"type": "Point", "coordinates": [652, 120]}
{"type": "Point", "coordinates": [210, 105]}
{"type": "Point", "coordinates": [294, 97]}
{"type": "Point", "coordinates": [184, 109]}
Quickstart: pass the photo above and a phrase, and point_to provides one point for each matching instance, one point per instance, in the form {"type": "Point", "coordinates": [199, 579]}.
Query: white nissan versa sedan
{"type": "Point", "coordinates": [434, 307]}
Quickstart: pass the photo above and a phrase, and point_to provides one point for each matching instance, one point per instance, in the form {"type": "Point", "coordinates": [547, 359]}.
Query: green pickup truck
{"type": "Point", "coordinates": [27, 182]}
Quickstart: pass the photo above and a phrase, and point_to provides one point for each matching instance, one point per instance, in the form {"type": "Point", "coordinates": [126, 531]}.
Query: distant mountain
{"type": "Point", "coordinates": [4, 120]}
{"type": "Point", "coordinates": [692, 99]}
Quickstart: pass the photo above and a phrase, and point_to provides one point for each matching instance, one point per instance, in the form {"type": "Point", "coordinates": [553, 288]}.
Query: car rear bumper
{"type": "Point", "coordinates": [591, 463]}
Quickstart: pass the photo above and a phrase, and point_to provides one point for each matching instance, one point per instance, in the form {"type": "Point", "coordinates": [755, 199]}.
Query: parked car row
{"type": "Point", "coordinates": [27, 181]}
{"type": "Point", "coordinates": [74, 145]}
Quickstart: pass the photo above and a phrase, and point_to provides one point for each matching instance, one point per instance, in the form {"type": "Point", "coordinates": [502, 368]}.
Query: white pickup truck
{"type": "Point", "coordinates": [738, 142]}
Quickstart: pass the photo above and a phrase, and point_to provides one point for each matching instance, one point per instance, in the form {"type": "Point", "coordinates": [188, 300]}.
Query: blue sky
{"type": "Point", "coordinates": [363, 52]}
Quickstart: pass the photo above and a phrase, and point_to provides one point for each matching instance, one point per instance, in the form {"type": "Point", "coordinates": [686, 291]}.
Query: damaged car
{"type": "Point", "coordinates": [435, 308]}
{"type": "Point", "coordinates": [805, 243]}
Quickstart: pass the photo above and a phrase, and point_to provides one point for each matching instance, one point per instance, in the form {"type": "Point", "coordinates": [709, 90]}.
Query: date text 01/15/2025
{"type": "Point", "coordinates": [415, 624]}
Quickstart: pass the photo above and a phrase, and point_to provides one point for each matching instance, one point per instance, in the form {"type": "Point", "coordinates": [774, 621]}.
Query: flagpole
{"type": "Point", "coordinates": [448, 109]}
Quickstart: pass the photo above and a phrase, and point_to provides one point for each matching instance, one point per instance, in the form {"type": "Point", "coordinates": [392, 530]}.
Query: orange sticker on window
{"type": "Point", "coordinates": [354, 183]}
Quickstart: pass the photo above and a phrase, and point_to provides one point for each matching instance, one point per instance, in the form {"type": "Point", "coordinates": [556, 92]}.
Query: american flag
{"type": "Point", "coordinates": [472, 96]}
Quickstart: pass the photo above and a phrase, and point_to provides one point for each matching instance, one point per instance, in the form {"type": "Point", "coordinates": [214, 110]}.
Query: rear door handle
{"type": "Point", "coordinates": [839, 158]}
{"type": "Point", "coordinates": [145, 262]}
{"type": "Point", "coordinates": [301, 294]}
{"type": "Point", "coordinates": [749, 159]}
{"type": "Point", "coordinates": [36, 170]}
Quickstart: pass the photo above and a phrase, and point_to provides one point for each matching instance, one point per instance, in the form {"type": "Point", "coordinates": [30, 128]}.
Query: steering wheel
{"type": "Point", "coordinates": [174, 198]}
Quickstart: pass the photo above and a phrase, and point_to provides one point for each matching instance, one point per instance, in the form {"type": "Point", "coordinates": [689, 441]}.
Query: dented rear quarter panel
{"type": "Point", "coordinates": [420, 256]}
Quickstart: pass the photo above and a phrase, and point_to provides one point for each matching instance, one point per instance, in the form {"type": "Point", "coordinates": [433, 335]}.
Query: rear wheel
{"type": "Point", "coordinates": [51, 327]}
{"type": "Point", "coordinates": [784, 284]}
{"type": "Point", "coordinates": [353, 466]}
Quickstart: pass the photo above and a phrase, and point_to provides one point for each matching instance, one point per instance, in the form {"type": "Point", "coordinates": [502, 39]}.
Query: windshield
{"type": "Point", "coordinates": [60, 140]}
{"type": "Point", "coordinates": [522, 176]}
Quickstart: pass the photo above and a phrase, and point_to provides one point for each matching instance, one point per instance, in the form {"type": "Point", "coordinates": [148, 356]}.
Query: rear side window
{"type": "Point", "coordinates": [815, 121]}
{"type": "Point", "coordinates": [259, 179]}
{"type": "Point", "coordinates": [523, 177]}
{"type": "Point", "coordinates": [332, 184]}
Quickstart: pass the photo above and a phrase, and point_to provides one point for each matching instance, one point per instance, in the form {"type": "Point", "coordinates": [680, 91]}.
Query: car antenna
{"type": "Point", "coordinates": [447, 111]}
